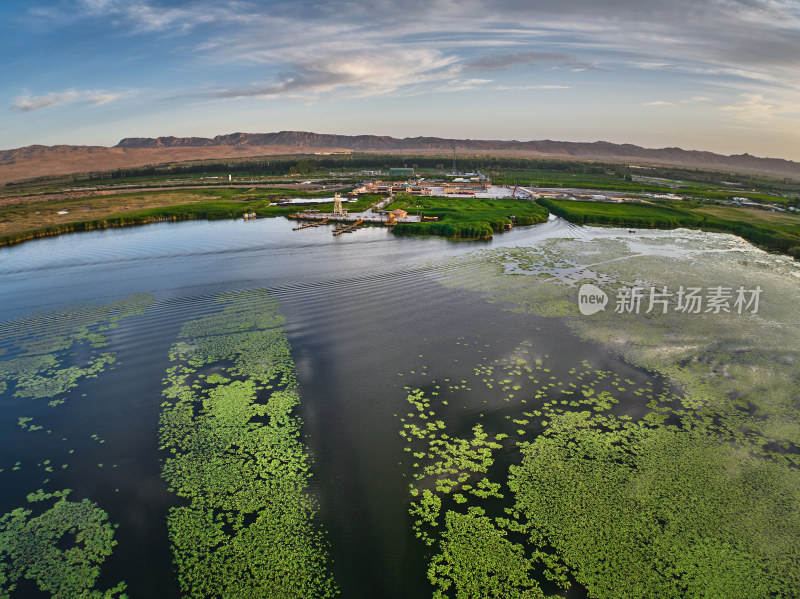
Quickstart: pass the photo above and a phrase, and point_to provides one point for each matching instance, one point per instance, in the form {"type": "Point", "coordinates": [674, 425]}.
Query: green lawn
{"type": "Point", "coordinates": [465, 218]}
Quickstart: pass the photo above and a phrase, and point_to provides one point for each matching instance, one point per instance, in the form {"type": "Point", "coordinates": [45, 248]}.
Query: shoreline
{"type": "Point", "coordinates": [758, 234]}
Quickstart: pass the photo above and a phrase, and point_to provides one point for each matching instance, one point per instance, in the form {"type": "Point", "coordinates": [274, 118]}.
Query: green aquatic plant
{"type": "Point", "coordinates": [697, 494]}
{"type": "Point", "coordinates": [60, 549]}
{"type": "Point", "coordinates": [245, 527]}
{"type": "Point", "coordinates": [39, 365]}
{"type": "Point", "coordinates": [477, 560]}
{"type": "Point", "coordinates": [642, 510]}
{"type": "Point", "coordinates": [473, 557]}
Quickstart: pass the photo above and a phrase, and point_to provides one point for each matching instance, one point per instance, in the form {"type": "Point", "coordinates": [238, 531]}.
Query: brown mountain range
{"type": "Point", "coordinates": [36, 161]}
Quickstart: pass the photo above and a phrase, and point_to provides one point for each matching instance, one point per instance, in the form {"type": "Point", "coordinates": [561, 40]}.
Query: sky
{"type": "Point", "coordinates": [718, 75]}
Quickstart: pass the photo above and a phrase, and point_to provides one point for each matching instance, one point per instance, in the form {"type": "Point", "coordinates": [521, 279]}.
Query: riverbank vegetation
{"type": "Point", "coordinates": [30, 220]}
{"type": "Point", "coordinates": [228, 188]}
{"type": "Point", "coordinates": [774, 231]}
{"type": "Point", "coordinates": [465, 218]}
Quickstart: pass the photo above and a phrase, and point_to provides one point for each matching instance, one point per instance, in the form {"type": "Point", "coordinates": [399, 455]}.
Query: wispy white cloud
{"type": "Point", "coordinates": [760, 32]}
{"type": "Point", "coordinates": [697, 100]}
{"type": "Point", "coordinates": [351, 73]}
{"type": "Point", "coordinates": [755, 40]}
{"type": "Point", "coordinates": [523, 87]}
{"type": "Point", "coordinates": [98, 6]}
{"type": "Point", "coordinates": [99, 97]}
{"type": "Point", "coordinates": [28, 102]}
{"type": "Point", "coordinates": [454, 85]}
{"type": "Point", "coordinates": [756, 108]}
{"type": "Point", "coordinates": [693, 52]}
{"type": "Point", "coordinates": [500, 62]}
{"type": "Point", "coordinates": [143, 16]}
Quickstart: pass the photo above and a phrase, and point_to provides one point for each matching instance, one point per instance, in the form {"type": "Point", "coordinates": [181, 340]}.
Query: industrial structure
{"type": "Point", "coordinates": [337, 205]}
{"type": "Point", "coordinates": [393, 187]}
{"type": "Point", "coordinates": [423, 188]}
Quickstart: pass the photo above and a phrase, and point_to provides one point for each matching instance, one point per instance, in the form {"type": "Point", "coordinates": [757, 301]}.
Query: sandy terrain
{"type": "Point", "coordinates": [63, 160]}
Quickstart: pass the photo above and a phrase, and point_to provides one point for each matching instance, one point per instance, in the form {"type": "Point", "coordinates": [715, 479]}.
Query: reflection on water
{"type": "Point", "coordinates": [360, 311]}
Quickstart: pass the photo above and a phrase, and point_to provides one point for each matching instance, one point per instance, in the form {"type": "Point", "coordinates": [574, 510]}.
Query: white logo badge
{"type": "Point", "coordinates": [591, 299]}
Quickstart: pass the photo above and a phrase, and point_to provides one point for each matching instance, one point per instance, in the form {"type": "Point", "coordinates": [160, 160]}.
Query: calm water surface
{"type": "Point", "coordinates": [360, 309]}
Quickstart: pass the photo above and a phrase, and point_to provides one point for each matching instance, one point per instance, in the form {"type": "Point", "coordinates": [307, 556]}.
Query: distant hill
{"type": "Point", "coordinates": [35, 161]}
{"type": "Point", "coordinates": [600, 150]}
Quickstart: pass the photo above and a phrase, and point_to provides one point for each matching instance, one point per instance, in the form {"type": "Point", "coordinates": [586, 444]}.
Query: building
{"type": "Point", "coordinates": [418, 190]}
{"type": "Point", "coordinates": [463, 187]}
{"type": "Point", "coordinates": [390, 187]}
{"type": "Point", "coordinates": [401, 172]}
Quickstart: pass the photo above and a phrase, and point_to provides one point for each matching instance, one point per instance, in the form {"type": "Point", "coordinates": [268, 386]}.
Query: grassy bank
{"type": "Point", "coordinates": [458, 218]}
{"type": "Point", "coordinates": [465, 218]}
{"type": "Point", "coordinates": [24, 221]}
{"type": "Point", "coordinates": [773, 231]}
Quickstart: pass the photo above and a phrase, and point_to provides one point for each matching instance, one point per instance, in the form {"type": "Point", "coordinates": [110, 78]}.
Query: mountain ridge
{"type": "Point", "coordinates": [41, 160]}
{"type": "Point", "coordinates": [385, 142]}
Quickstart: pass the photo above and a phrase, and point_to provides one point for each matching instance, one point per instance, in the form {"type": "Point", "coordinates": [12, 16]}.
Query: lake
{"type": "Point", "coordinates": [369, 317]}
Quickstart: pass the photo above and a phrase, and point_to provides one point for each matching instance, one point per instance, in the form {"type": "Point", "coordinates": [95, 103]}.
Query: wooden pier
{"type": "Point", "coordinates": [311, 224]}
{"type": "Point", "coordinates": [348, 228]}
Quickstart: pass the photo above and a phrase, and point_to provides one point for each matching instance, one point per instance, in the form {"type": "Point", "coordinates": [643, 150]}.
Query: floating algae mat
{"type": "Point", "coordinates": [243, 521]}
{"type": "Point", "coordinates": [38, 365]}
{"type": "Point", "coordinates": [31, 546]}
{"type": "Point", "coordinates": [664, 505]}
{"type": "Point", "coordinates": [695, 495]}
{"type": "Point", "coordinates": [246, 527]}
{"type": "Point", "coordinates": [57, 543]}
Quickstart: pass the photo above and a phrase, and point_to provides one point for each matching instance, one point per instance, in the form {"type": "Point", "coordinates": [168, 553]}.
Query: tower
{"type": "Point", "coordinates": [337, 205]}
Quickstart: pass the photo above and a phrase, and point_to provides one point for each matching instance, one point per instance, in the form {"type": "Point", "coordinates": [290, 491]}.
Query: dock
{"type": "Point", "coordinates": [349, 228]}
{"type": "Point", "coordinates": [311, 224]}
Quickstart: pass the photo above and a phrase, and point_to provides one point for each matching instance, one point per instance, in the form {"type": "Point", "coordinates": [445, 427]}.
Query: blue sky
{"type": "Point", "coordinates": [719, 75]}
